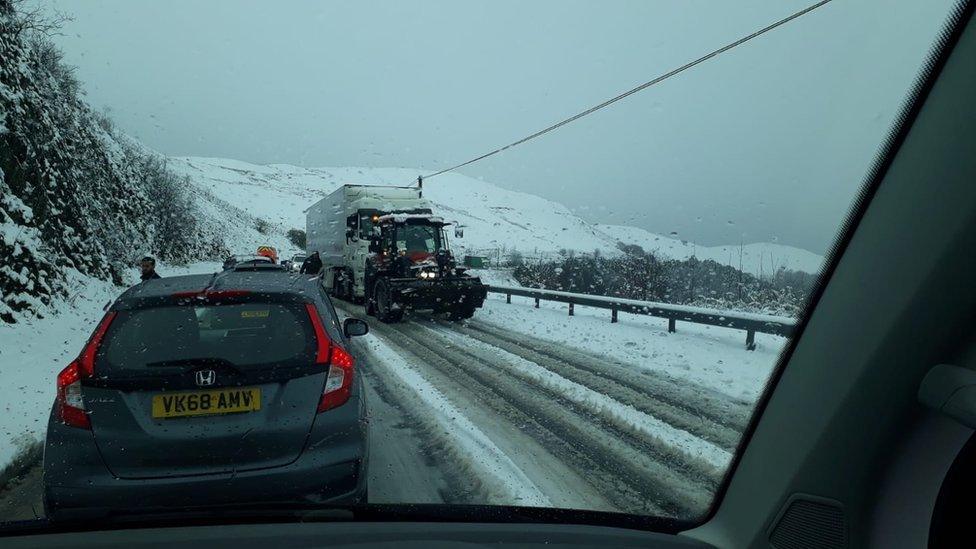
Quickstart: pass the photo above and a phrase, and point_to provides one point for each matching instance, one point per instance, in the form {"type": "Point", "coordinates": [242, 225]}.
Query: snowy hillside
{"type": "Point", "coordinates": [493, 217]}
{"type": "Point", "coordinates": [757, 258]}
{"type": "Point", "coordinates": [238, 193]}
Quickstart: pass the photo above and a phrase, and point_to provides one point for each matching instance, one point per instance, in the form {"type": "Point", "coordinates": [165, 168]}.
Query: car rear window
{"type": "Point", "coordinates": [245, 334]}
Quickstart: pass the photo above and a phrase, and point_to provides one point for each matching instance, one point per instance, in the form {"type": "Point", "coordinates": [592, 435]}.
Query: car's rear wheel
{"type": "Point", "coordinates": [384, 307]}
{"type": "Point", "coordinates": [54, 513]}
{"type": "Point", "coordinates": [48, 508]}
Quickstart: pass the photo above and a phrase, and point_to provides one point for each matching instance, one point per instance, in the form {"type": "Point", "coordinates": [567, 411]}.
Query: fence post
{"type": "Point", "coordinates": [570, 309]}
{"type": "Point", "coordinates": [613, 315]}
{"type": "Point", "coordinates": [508, 298]}
{"type": "Point", "coordinates": [671, 327]}
{"type": "Point", "coordinates": [537, 303]}
{"type": "Point", "coordinates": [751, 340]}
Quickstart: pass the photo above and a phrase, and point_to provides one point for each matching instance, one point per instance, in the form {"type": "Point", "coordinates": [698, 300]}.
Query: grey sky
{"type": "Point", "coordinates": [767, 142]}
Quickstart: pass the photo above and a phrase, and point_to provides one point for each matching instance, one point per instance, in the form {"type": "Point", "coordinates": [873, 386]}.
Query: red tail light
{"type": "Point", "coordinates": [338, 383]}
{"type": "Point", "coordinates": [70, 405]}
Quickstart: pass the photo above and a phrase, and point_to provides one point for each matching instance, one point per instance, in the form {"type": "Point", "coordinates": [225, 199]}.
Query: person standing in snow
{"type": "Point", "coordinates": [148, 267]}
{"type": "Point", "coordinates": [312, 264]}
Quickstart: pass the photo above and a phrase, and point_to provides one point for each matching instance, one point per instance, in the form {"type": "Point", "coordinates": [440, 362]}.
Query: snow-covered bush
{"type": "Point", "coordinates": [640, 275]}
{"type": "Point", "coordinates": [297, 238]}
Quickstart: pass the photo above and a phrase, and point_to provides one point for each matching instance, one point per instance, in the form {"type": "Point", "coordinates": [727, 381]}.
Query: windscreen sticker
{"type": "Point", "coordinates": [264, 313]}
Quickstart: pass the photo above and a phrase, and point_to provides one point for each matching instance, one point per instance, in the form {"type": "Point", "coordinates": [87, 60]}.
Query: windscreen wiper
{"type": "Point", "coordinates": [97, 519]}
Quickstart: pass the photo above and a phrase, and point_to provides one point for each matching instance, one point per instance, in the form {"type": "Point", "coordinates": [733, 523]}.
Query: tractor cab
{"type": "Point", "coordinates": [413, 245]}
{"type": "Point", "coordinates": [411, 267]}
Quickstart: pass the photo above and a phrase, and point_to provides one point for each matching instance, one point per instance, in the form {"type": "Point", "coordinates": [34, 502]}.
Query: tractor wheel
{"type": "Point", "coordinates": [383, 304]}
{"type": "Point", "coordinates": [461, 313]}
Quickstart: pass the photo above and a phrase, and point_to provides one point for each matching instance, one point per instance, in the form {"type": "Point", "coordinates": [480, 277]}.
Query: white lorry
{"type": "Point", "coordinates": [384, 246]}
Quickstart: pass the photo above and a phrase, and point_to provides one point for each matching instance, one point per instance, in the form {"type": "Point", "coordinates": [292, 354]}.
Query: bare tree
{"type": "Point", "coordinates": [35, 19]}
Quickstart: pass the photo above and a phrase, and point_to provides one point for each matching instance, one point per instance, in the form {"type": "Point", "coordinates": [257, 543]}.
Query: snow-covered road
{"type": "Point", "coordinates": [505, 409]}
{"type": "Point", "coordinates": [543, 422]}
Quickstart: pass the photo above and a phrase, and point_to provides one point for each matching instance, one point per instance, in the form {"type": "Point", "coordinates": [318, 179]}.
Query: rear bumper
{"type": "Point", "coordinates": [342, 483]}
{"type": "Point", "coordinates": [438, 294]}
{"type": "Point", "coordinates": [331, 469]}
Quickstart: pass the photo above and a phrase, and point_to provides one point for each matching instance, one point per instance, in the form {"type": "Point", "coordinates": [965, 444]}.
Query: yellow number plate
{"type": "Point", "coordinates": [202, 403]}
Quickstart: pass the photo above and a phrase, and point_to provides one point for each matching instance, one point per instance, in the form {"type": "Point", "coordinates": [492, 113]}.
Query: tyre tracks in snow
{"type": "Point", "coordinates": [633, 470]}
{"type": "Point", "coordinates": [690, 452]}
{"type": "Point", "coordinates": [701, 411]}
{"type": "Point", "coordinates": [566, 476]}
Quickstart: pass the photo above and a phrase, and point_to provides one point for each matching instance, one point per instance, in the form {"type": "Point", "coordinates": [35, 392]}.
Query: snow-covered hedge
{"type": "Point", "coordinates": [640, 275]}
{"type": "Point", "coordinates": [75, 193]}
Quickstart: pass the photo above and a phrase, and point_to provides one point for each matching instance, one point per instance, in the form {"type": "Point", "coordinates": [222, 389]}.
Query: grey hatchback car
{"type": "Point", "coordinates": [208, 391]}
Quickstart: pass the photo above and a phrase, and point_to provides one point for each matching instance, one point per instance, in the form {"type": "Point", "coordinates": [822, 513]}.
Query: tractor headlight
{"type": "Point", "coordinates": [428, 274]}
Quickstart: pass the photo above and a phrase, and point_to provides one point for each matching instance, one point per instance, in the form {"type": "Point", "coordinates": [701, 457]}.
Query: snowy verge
{"type": "Point", "coordinates": [626, 417]}
{"type": "Point", "coordinates": [710, 356]}
{"type": "Point", "coordinates": [468, 442]}
{"type": "Point", "coordinates": [33, 351]}
{"type": "Point", "coordinates": [719, 314]}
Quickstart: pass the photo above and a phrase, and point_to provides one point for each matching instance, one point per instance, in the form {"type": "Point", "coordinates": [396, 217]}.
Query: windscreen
{"type": "Point", "coordinates": [366, 224]}
{"type": "Point", "coordinates": [641, 198]}
{"type": "Point", "coordinates": [243, 335]}
{"type": "Point", "coordinates": [418, 238]}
